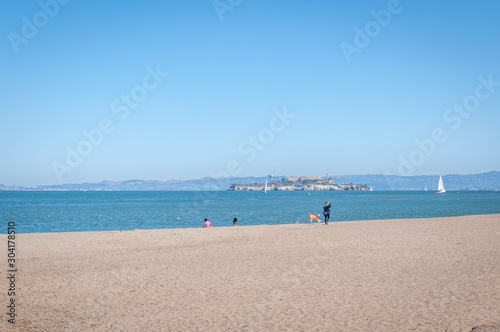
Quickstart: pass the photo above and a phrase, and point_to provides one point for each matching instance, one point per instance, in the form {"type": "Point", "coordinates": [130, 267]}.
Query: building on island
{"type": "Point", "coordinates": [299, 183]}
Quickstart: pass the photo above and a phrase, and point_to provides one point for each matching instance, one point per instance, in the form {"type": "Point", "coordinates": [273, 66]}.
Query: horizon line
{"type": "Point", "coordinates": [235, 177]}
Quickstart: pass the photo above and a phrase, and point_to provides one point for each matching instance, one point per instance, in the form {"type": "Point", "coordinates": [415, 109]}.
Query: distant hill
{"type": "Point", "coordinates": [206, 184]}
{"type": "Point", "coordinates": [483, 181]}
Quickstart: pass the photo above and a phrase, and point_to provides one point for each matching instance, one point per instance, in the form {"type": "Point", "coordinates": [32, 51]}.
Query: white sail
{"type": "Point", "coordinates": [441, 189]}
{"type": "Point", "coordinates": [265, 188]}
{"type": "Point", "coordinates": [425, 189]}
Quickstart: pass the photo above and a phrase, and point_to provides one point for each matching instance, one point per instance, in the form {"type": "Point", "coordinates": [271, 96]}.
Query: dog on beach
{"type": "Point", "coordinates": [314, 217]}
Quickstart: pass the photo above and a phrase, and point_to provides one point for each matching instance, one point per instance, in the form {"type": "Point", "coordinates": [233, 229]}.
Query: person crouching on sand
{"type": "Point", "coordinates": [207, 223]}
{"type": "Point", "coordinates": [235, 222]}
{"type": "Point", "coordinates": [326, 211]}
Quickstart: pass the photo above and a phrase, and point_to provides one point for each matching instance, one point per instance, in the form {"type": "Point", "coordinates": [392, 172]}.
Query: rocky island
{"type": "Point", "coordinates": [296, 183]}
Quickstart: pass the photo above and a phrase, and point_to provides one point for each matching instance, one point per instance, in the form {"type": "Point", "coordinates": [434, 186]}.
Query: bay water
{"type": "Point", "coordinates": [73, 211]}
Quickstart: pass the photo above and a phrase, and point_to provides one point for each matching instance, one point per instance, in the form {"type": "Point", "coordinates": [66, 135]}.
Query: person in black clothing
{"type": "Point", "coordinates": [326, 211]}
{"type": "Point", "coordinates": [235, 221]}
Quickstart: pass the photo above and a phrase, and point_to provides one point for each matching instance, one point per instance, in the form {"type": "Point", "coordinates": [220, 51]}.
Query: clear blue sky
{"type": "Point", "coordinates": [359, 100]}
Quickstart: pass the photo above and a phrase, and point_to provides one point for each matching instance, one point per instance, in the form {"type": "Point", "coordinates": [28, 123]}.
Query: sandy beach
{"type": "Point", "coordinates": [438, 274]}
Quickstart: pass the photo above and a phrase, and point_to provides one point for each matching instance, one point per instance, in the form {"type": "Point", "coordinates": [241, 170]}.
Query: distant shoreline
{"type": "Point", "coordinates": [479, 181]}
{"type": "Point", "coordinates": [225, 190]}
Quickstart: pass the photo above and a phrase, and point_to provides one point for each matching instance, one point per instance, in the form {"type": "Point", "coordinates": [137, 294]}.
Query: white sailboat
{"type": "Point", "coordinates": [441, 189]}
{"type": "Point", "coordinates": [425, 189]}
{"type": "Point", "coordinates": [265, 188]}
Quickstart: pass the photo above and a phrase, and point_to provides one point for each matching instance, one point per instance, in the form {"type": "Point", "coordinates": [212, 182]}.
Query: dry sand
{"type": "Point", "coordinates": [389, 275]}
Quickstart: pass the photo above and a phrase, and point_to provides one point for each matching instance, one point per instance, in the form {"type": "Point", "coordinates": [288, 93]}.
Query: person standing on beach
{"type": "Point", "coordinates": [207, 223]}
{"type": "Point", "coordinates": [235, 221]}
{"type": "Point", "coordinates": [326, 211]}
